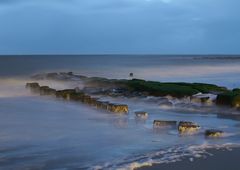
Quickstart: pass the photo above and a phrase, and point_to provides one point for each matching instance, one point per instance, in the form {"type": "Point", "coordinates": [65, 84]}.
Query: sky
{"type": "Point", "coordinates": [119, 27]}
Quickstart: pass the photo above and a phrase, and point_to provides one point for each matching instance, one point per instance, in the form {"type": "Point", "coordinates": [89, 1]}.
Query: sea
{"type": "Point", "coordinates": [39, 132]}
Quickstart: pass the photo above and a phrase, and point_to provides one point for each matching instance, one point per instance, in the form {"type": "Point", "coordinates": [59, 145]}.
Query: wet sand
{"type": "Point", "coordinates": [220, 160]}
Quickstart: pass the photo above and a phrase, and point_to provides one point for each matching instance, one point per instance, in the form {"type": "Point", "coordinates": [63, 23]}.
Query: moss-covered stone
{"type": "Point", "coordinates": [45, 90]}
{"type": "Point", "coordinates": [213, 133]}
{"type": "Point", "coordinates": [173, 89]}
{"type": "Point", "coordinates": [34, 87]}
{"type": "Point", "coordinates": [66, 94]}
{"type": "Point", "coordinates": [118, 108]}
{"type": "Point", "coordinates": [236, 90]}
{"type": "Point", "coordinates": [230, 98]}
{"type": "Point", "coordinates": [75, 96]}
{"type": "Point", "coordinates": [87, 99]}
{"type": "Point", "coordinates": [141, 114]}
{"type": "Point", "coordinates": [188, 127]}
{"type": "Point", "coordinates": [78, 95]}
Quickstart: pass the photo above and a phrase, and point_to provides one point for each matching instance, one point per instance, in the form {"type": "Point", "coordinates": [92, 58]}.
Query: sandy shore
{"type": "Point", "coordinates": [221, 160]}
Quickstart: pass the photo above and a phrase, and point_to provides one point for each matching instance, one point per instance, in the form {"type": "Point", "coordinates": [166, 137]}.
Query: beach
{"type": "Point", "coordinates": [220, 159]}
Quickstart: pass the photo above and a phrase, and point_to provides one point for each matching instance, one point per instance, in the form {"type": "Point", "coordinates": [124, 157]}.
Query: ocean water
{"type": "Point", "coordinates": [47, 133]}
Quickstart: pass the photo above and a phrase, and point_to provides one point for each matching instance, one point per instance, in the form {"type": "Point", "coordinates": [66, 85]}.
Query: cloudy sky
{"type": "Point", "coordinates": [119, 26]}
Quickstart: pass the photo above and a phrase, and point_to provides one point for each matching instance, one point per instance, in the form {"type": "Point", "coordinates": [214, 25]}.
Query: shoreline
{"type": "Point", "coordinates": [220, 159]}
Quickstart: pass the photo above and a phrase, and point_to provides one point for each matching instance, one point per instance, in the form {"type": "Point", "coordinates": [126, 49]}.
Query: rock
{"type": "Point", "coordinates": [141, 114]}
{"type": "Point", "coordinates": [87, 99]}
{"type": "Point", "coordinates": [178, 89]}
{"type": "Point", "coordinates": [114, 92]}
{"type": "Point", "coordinates": [98, 104]}
{"type": "Point", "coordinates": [236, 101]}
{"type": "Point", "coordinates": [105, 105]}
{"type": "Point", "coordinates": [138, 86]}
{"type": "Point", "coordinates": [157, 89]}
{"type": "Point", "coordinates": [34, 87]}
{"type": "Point", "coordinates": [45, 90]}
{"type": "Point", "coordinates": [75, 96]}
{"type": "Point", "coordinates": [188, 127]}
{"type": "Point", "coordinates": [207, 99]}
{"type": "Point", "coordinates": [164, 123]}
{"type": "Point", "coordinates": [101, 104]}
{"type": "Point", "coordinates": [94, 101]}
{"type": "Point", "coordinates": [70, 73]}
{"type": "Point", "coordinates": [230, 98]}
{"type": "Point", "coordinates": [118, 108]}
{"type": "Point", "coordinates": [66, 94]}
{"type": "Point", "coordinates": [213, 133]}
{"type": "Point", "coordinates": [94, 90]}
{"type": "Point", "coordinates": [236, 90]}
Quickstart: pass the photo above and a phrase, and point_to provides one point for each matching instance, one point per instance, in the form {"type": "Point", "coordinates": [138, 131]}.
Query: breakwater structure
{"type": "Point", "coordinates": [77, 95]}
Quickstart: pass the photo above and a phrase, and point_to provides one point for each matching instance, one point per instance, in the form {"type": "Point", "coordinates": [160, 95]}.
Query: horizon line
{"type": "Point", "coordinates": [117, 54]}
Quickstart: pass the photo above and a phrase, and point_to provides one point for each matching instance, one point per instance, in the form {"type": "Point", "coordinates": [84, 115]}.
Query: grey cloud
{"type": "Point", "coordinates": [120, 26]}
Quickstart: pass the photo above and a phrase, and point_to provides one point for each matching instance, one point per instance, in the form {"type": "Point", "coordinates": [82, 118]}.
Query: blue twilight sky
{"type": "Point", "coordinates": [119, 26]}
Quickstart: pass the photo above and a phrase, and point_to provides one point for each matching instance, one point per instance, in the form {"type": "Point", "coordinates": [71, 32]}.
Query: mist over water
{"type": "Point", "coordinates": [150, 67]}
{"type": "Point", "coordinates": [40, 132]}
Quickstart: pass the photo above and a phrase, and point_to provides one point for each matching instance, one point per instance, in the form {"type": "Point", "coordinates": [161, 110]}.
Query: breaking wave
{"type": "Point", "coordinates": [170, 155]}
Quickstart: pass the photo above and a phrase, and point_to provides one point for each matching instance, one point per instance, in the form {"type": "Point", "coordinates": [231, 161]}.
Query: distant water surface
{"type": "Point", "coordinates": [221, 70]}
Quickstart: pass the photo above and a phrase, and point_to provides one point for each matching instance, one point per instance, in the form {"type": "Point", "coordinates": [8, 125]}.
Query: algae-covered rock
{"type": "Point", "coordinates": [77, 95]}
{"type": "Point", "coordinates": [34, 87]}
{"type": "Point", "coordinates": [136, 87]}
{"type": "Point", "coordinates": [104, 105]}
{"type": "Point", "coordinates": [178, 90]}
{"type": "Point", "coordinates": [45, 90]}
{"type": "Point", "coordinates": [188, 127]}
{"type": "Point", "coordinates": [66, 94]}
{"type": "Point", "coordinates": [118, 108]}
{"type": "Point", "coordinates": [230, 98]}
{"type": "Point", "coordinates": [87, 99]}
{"type": "Point", "coordinates": [161, 89]}
{"type": "Point", "coordinates": [93, 101]}
{"type": "Point", "coordinates": [213, 133]}
{"type": "Point", "coordinates": [207, 99]}
{"type": "Point", "coordinates": [141, 114]}
{"type": "Point", "coordinates": [236, 101]}
{"type": "Point", "coordinates": [98, 104]}
{"type": "Point", "coordinates": [207, 88]}
{"type": "Point", "coordinates": [236, 90]}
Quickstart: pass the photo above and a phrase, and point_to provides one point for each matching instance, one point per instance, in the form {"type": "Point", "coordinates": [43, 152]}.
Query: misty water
{"type": "Point", "coordinates": [39, 132]}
